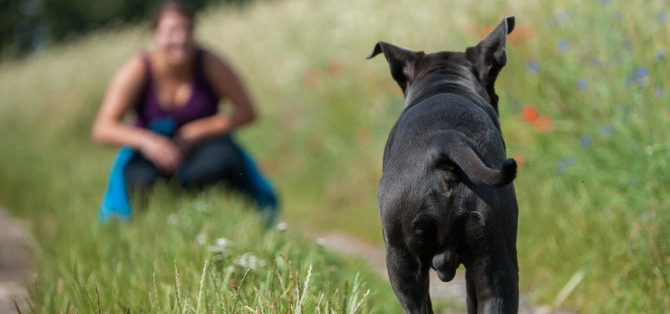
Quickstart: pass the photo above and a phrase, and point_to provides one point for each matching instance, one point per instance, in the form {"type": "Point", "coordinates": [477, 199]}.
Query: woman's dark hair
{"type": "Point", "coordinates": [172, 6]}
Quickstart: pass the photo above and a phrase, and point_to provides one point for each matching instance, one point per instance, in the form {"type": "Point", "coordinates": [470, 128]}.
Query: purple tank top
{"type": "Point", "coordinates": [203, 101]}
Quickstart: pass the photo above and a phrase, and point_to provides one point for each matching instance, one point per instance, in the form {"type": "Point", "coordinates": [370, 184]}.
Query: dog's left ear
{"type": "Point", "coordinates": [488, 56]}
{"type": "Point", "coordinates": [401, 61]}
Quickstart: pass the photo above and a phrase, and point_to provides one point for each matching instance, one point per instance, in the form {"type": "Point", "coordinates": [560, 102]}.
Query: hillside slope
{"type": "Point", "coordinates": [583, 109]}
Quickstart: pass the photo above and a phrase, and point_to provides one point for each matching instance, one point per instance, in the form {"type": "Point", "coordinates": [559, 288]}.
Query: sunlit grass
{"type": "Point", "coordinates": [195, 253]}
{"type": "Point", "coordinates": [592, 190]}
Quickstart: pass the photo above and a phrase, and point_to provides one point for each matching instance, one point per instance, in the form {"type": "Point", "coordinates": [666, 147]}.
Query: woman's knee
{"type": "Point", "coordinates": [140, 174]}
{"type": "Point", "coordinates": [214, 161]}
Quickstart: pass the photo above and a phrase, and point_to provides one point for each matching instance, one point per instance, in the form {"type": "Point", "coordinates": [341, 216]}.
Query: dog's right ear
{"type": "Point", "coordinates": [401, 61]}
{"type": "Point", "coordinates": [488, 57]}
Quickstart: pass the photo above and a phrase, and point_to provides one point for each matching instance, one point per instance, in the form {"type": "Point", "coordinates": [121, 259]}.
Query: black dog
{"type": "Point", "coordinates": [445, 196]}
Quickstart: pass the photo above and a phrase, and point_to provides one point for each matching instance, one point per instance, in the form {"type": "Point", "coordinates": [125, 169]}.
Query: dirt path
{"type": "Point", "coordinates": [15, 264]}
{"type": "Point", "coordinates": [452, 293]}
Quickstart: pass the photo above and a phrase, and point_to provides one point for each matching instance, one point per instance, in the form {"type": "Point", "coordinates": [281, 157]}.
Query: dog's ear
{"type": "Point", "coordinates": [401, 61]}
{"type": "Point", "coordinates": [488, 56]}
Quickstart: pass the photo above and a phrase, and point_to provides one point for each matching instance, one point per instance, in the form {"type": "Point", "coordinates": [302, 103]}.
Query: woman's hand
{"type": "Point", "coordinates": [190, 134]}
{"type": "Point", "coordinates": [162, 152]}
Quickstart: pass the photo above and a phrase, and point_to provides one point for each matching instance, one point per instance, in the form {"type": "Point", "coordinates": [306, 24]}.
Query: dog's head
{"type": "Point", "coordinates": [477, 68]}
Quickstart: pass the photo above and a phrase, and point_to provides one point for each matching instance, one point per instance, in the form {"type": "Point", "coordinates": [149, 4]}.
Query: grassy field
{"type": "Point", "coordinates": [584, 109]}
{"type": "Point", "coordinates": [194, 254]}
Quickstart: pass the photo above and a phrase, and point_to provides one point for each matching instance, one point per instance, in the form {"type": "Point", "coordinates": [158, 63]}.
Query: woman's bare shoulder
{"type": "Point", "coordinates": [134, 64]}
{"type": "Point", "coordinates": [129, 77]}
{"type": "Point", "coordinates": [132, 69]}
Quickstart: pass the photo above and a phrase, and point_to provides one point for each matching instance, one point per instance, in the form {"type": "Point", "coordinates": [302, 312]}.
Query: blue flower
{"type": "Point", "coordinates": [605, 130]}
{"type": "Point", "coordinates": [594, 61]}
{"type": "Point", "coordinates": [532, 67]}
{"type": "Point", "coordinates": [659, 92]}
{"type": "Point", "coordinates": [561, 17]}
{"type": "Point", "coordinates": [617, 16]}
{"type": "Point", "coordinates": [563, 45]}
{"type": "Point", "coordinates": [628, 44]}
{"type": "Point", "coordinates": [660, 55]}
{"type": "Point", "coordinates": [565, 163]}
{"type": "Point", "coordinates": [662, 17]}
{"type": "Point", "coordinates": [641, 72]}
{"type": "Point", "coordinates": [605, 2]}
{"type": "Point", "coordinates": [582, 84]}
{"type": "Point", "coordinates": [639, 76]}
{"type": "Point", "coordinates": [586, 140]}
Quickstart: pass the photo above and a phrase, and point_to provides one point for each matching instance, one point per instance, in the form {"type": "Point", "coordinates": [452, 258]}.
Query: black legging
{"type": "Point", "coordinates": [213, 161]}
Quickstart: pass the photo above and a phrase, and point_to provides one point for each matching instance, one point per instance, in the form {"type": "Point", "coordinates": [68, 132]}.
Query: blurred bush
{"type": "Point", "coordinates": [27, 25]}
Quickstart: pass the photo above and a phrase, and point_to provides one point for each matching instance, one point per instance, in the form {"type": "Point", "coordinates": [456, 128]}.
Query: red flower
{"type": "Point", "coordinates": [543, 123]}
{"type": "Point", "coordinates": [521, 34]}
{"type": "Point", "coordinates": [311, 77]}
{"type": "Point", "coordinates": [529, 113]}
{"type": "Point", "coordinates": [335, 68]}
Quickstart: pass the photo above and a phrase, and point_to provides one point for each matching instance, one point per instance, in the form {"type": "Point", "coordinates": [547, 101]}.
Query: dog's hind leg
{"type": "Point", "coordinates": [471, 293]}
{"type": "Point", "coordinates": [492, 271]}
{"type": "Point", "coordinates": [409, 280]}
{"type": "Point", "coordinates": [491, 288]}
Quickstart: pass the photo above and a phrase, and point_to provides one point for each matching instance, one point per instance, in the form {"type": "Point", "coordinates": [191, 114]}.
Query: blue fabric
{"type": "Point", "coordinates": [116, 204]}
{"type": "Point", "coordinates": [261, 189]}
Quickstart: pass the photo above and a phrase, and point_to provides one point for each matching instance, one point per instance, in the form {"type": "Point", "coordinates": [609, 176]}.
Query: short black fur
{"type": "Point", "coordinates": [445, 196]}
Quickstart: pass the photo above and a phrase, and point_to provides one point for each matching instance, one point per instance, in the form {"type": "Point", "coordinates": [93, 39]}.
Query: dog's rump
{"type": "Point", "coordinates": [453, 147]}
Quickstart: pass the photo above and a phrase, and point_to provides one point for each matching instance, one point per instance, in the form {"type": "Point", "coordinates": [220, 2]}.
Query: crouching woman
{"type": "Point", "coordinates": [174, 89]}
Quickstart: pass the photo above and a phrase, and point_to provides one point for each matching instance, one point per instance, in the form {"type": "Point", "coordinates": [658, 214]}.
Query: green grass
{"type": "Point", "coordinates": [592, 191]}
{"type": "Point", "coordinates": [194, 253]}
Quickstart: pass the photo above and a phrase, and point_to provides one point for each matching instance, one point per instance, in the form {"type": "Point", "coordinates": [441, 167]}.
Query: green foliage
{"type": "Point", "coordinates": [592, 190]}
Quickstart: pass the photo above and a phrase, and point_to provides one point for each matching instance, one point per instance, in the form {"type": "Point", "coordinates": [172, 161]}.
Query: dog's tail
{"type": "Point", "coordinates": [453, 145]}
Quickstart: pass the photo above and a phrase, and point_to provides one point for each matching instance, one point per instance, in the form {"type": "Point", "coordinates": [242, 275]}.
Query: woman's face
{"type": "Point", "coordinates": [173, 36]}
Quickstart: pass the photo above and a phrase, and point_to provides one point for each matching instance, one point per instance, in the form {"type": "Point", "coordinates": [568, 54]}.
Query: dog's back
{"type": "Point", "coordinates": [420, 124]}
{"type": "Point", "coordinates": [445, 196]}
{"type": "Point", "coordinates": [422, 144]}
{"type": "Point", "coordinates": [426, 133]}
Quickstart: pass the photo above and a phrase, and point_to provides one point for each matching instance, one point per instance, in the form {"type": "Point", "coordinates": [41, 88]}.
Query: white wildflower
{"type": "Point", "coordinates": [321, 241]}
{"type": "Point", "coordinates": [173, 219]}
{"type": "Point", "coordinates": [202, 206]}
{"type": "Point", "coordinates": [217, 249]}
{"type": "Point", "coordinates": [223, 242]}
{"type": "Point", "coordinates": [221, 245]}
{"type": "Point", "coordinates": [281, 226]}
{"type": "Point", "coordinates": [201, 239]}
{"type": "Point", "coordinates": [250, 261]}
{"type": "Point", "coordinates": [649, 150]}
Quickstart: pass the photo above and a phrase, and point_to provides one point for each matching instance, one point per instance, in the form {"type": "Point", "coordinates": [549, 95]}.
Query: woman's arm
{"type": "Point", "coordinates": [121, 93]}
{"type": "Point", "coordinates": [109, 129]}
{"type": "Point", "coordinates": [226, 84]}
